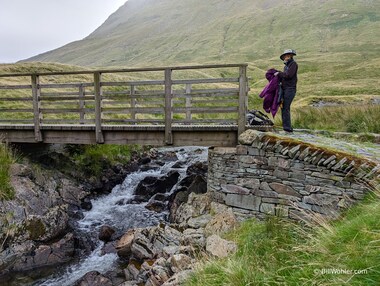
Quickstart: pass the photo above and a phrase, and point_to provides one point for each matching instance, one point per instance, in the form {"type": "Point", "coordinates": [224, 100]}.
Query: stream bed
{"type": "Point", "coordinates": [120, 211]}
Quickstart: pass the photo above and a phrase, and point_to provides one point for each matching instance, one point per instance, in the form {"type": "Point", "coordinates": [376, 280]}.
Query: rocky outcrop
{"type": "Point", "coordinates": [35, 224]}
{"type": "Point", "coordinates": [165, 254]}
{"type": "Point", "coordinates": [94, 278]}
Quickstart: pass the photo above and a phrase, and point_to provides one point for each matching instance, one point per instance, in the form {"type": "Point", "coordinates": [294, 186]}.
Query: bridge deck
{"type": "Point", "coordinates": [197, 135]}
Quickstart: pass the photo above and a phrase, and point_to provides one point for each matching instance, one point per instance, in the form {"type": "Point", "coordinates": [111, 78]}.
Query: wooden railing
{"type": "Point", "coordinates": [188, 95]}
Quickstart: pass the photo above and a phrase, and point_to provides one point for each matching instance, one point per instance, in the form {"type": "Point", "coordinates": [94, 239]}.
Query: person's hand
{"type": "Point", "coordinates": [276, 73]}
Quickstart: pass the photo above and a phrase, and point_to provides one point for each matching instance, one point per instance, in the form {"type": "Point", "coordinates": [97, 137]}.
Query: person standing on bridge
{"type": "Point", "coordinates": [288, 79]}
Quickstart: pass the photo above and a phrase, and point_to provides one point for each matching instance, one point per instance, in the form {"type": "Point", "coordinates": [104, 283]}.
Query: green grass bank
{"type": "Point", "coordinates": [277, 252]}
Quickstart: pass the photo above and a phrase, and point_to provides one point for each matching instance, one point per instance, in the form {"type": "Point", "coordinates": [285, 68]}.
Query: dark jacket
{"type": "Point", "coordinates": [289, 76]}
{"type": "Point", "coordinates": [271, 93]}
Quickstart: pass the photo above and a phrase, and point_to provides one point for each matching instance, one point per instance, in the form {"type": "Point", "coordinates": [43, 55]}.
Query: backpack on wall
{"type": "Point", "coordinates": [256, 117]}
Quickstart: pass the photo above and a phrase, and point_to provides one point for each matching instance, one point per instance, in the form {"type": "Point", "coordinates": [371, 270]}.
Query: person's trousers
{"type": "Point", "coordinates": [289, 94]}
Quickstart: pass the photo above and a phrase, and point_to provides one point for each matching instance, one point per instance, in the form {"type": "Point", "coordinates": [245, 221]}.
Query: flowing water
{"type": "Point", "coordinates": [110, 210]}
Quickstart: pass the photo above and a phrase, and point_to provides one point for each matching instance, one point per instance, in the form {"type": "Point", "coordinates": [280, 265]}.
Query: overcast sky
{"type": "Point", "coordinates": [31, 27]}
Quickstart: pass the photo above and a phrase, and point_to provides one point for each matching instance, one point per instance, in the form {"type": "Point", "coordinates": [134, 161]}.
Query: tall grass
{"type": "Point", "coordinates": [347, 118]}
{"type": "Point", "coordinates": [93, 159]}
{"type": "Point", "coordinates": [6, 159]}
{"type": "Point", "coordinates": [277, 252]}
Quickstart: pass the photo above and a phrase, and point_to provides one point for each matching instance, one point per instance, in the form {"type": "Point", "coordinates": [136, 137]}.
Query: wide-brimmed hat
{"type": "Point", "coordinates": [288, 52]}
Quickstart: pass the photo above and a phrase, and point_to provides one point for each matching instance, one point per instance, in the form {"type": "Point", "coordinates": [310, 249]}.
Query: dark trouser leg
{"type": "Point", "coordinates": [289, 95]}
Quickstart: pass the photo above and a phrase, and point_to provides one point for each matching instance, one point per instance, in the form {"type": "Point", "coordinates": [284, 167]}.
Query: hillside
{"type": "Point", "coordinates": [338, 42]}
{"type": "Point", "coordinates": [166, 32]}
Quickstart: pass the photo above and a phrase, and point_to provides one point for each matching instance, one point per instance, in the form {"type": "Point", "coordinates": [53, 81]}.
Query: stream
{"type": "Point", "coordinates": [119, 211]}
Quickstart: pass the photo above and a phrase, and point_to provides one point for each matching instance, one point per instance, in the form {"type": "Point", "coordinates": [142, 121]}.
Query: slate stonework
{"type": "Point", "coordinates": [270, 174]}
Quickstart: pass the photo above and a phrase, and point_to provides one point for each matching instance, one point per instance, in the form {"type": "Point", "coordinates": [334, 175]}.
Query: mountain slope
{"type": "Point", "coordinates": [165, 32]}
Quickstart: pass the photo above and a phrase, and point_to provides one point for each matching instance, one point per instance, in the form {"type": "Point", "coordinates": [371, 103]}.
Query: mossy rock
{"type": "Point", "coordinates": [35, 227]}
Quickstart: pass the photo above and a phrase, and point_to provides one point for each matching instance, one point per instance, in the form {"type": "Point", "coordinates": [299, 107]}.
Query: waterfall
{"type": "Point", "coordinates": [117, 211]}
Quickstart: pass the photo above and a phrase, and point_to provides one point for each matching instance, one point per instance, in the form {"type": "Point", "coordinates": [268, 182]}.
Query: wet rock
{"type": "Point", "coordinates": [156, 206]}
{"type": "Point", "coordinates": [198, 168]}
{"type": "Point", "coordinates": [160, 197]}
{"type": "Point", "coordinates": [109, 247]}
{"type": "Point", "coordinates": [195, 182]}
{"type": "Point", "coordinates": [57, 253]}
{"type": "Point", "coordinates": [123, 245]}
{"type": "Point", "coordinates": [105, 233]}
{"type": "Point", "coordinates": [152, 185]}
{"type": "Point", "coordinates": [94, 278]}
{"type": "Point", "coordinates": [86, 204]}
{"type": "Point", "coordinates": [144, 160]}
{"type": "Point", "coordinates": [179, 165]}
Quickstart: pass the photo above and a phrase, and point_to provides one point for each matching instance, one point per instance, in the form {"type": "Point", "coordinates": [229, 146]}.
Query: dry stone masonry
{"type": "Point", "coordinates": [277, 175]}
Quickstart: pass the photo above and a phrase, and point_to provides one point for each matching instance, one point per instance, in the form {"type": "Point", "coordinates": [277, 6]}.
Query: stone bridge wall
{"type": "Point", "coordinates": [268, 174]}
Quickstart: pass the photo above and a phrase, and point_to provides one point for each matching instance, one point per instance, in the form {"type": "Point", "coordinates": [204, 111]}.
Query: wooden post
{"type": "Point", "coordinates": [98, 108]}
{"type": "Point", "coordinates": [168, 107]}
{"type": "Point", "coordinates": [188, 102]}
{"type": "Point", "coordinates": [36, 92]}
{"type": "Point", "coordinates": [133, 104]}
{"type": "Point", "coordinates": [81, 104]}
{"type": "Point", "coordinates": [243, 93]}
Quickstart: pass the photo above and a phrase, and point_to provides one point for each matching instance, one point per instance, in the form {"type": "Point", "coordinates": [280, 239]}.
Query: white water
{"type": "Point", "coordinates": [111, 210]}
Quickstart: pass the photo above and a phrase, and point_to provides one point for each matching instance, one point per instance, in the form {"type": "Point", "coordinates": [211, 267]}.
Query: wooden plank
{"type": "Point", "coordinates": [215, 101]}
{"type": "Point", "coordinates": [17, 120]}
{"type": "Point", "coordinates": [67, 121]}
{"type": "Point", "coordinates": [133, 102]}
{"type": "Point", "coordinates": [36, 107]}
{"type": "Point", "coordinates": [98, 108]}
{"type": "Point", "coordinates": [205, 80]}
{"type": "Point", "coordinates": [58, 94]}
{"type": "Point", "coordinates": [135, 83]}
{"type": "Point", "coordinates": [16, 99]}
{"type": "Point", "coordinates": [65, 110]}
{"type": "Point", "coordinates": [24, 86]}
{"type": "Point", "coordinates": [211, 109]}
{"type": "Point", "coordinates": [58, 98]}
{"type": "Point", "coordinates": [65, 85]}
{"type": "Point", "coordinates": [134, 121]}
{"type": "Point", "coordinates": [129, 110]}
{"type": "Point", "coordinates": [137, 96]}
{"type": "Point", "coordinates": [150, 93]}
{"type": "Point", "coordinates": [130, 102]}
{"type": "Point", "coordinates": [209, 93]}
{"type": "Point", "coordinates": [188, 101]}
{"type": "Point", "coordinates": [168, 107]}
{"type": "Point", "coordinates": [14, 110]}
{"type": "Point", "coordinates": [205, 121]}
{"type": "Point", "coordinates": [243, 99]}
{"type": "Point", "coordinates": [82, 104]}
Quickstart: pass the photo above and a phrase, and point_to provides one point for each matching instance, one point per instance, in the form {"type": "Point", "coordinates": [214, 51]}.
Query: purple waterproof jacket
{"type": "Point", "coordinates": [271, 93]}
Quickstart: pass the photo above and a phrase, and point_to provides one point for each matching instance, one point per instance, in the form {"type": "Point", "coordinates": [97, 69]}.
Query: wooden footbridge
{"type": "Point", "coordinates": [190, 105]}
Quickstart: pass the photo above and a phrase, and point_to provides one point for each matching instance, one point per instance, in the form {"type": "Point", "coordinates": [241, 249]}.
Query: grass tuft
{"type": "Point", "coordinates": [7, 158]}
{"type": "Point", "coordinates": [93, 159]}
